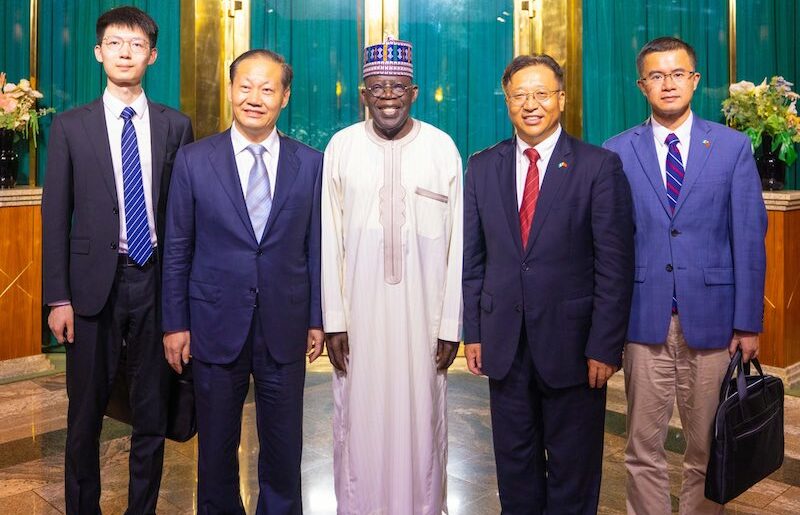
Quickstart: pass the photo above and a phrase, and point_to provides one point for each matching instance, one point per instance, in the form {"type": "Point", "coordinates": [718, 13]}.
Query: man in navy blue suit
{"type": "Point", "coordinates": [548, 272]}
{"type": "Point", "coordinates": [241, 286]}
{"type": "Point", "coordinates": [700, 265]}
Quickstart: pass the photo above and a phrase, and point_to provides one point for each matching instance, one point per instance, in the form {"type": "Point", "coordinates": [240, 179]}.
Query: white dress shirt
{"type": "Point", "coordinates": [660, 133]}
{"type": "Point", "coordinates": [545, 149]}
{"type": "Point", "coordinates": [245, 159]}
{"type": "Point", "coordinates": [141, 123]}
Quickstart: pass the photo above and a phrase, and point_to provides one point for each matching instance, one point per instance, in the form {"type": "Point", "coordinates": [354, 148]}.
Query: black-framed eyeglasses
{"type": "Point", "coordinates": [678, 77]}
{"type": "Point", "coordinates": [541, 96]}
{"type": "Point", "coordinates": [397, 90]}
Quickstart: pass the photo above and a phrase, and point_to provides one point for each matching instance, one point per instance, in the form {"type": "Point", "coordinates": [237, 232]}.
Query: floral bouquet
{"type": "Point", "coordinates": [18, 110]}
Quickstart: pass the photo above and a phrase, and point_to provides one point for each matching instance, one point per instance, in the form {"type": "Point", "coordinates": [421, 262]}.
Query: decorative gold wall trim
{"type": "Point", "coordinates": [555, 28]}
{"type": "Point", "coordinates": [573, 115]}
{"type": "Point", "coordinates": [213, 33]}
{"type": "Point", "coordinates": [236, 41]}
{"type": "Point", "coordinates": [381, 19]}
{"type": "Point", "coordinates": [34, 72]}
{"type": "Point", "coordinates": [732, 41]}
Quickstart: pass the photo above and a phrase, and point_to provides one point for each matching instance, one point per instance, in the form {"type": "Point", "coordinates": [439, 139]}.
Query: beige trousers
{"type": "Point", "coordinates": [655, 375]}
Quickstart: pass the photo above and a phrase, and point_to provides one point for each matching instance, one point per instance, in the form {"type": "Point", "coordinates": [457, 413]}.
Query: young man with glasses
{"type": "Point", "coordinates": [108, 169]}
{"type": "Point", "coordinates": [700, 265]}
{"type": "Point", "coordinates": [548, 272]}
{"type": "Point", "coordinates": [391, 282]}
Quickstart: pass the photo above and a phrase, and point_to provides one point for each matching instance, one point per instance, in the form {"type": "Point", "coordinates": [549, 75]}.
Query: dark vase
{"type": "Point", "coordinates": [9, 160]}
{"type": "Point", "coordinates": [771, 169]}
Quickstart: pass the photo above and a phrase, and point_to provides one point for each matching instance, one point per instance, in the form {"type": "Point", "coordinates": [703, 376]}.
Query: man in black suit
{"type": "Point", "coordinates": [548, 275]}
{"type": "Point", "coordinates": [108, 170]}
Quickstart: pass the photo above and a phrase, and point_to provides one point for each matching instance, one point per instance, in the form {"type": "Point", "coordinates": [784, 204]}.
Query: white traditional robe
{"type": "Point", "coordinates": [391, 278]}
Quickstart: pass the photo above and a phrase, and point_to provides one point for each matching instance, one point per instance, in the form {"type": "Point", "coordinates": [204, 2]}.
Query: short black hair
{"type": "Point", "coordinates": [665, 44]}
{"type": "Point", "coordinates": [286, 69]}
{"type": "Point", "coordinates": [127, 16]}
{"type": "Point", "coordinates": [523, 61]}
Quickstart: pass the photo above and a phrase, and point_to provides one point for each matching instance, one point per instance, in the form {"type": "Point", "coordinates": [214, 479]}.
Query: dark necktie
{"type": "Point", "coordinates": [675, 174]}
{"type": "Point", "coordinates": [138, 230]}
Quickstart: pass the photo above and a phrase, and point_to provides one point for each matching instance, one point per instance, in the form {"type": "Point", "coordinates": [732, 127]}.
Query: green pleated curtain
{"type": "Point", "coordinates": [613, 33]}
{"type": "Point", "coordinates": [767, 45]}
{"type": "Point", "coordinates": [321, 40]}
{"type": "Point", "coordinates": [14, 57]}
{"type": "Point", "coordinates": [70, 76]}
{"type": "Point", "coordinates": [461, 48]}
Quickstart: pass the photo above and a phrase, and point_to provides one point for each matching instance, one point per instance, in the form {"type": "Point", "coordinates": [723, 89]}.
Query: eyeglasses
{"type": "Point", "coordinates": [138, 46]}
{"type": "Point", "coordinates": [541, 96]}
{"type": "Point", "coordinates": [397, 90]}
{"type": "Point", "coordinates": [678, 77]}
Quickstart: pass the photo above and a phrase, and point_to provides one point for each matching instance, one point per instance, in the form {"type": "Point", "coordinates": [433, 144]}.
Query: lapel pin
{"type": "Point", "coordinates": [706, 143]}
{"type": "Point", "coordinates": [562, 164]}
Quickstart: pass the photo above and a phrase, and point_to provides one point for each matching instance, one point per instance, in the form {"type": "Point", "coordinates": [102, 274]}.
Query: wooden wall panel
{"type": "Point", "coordinates": [780, 342]}
{"type": "Point", "coordinates": [20, 281]}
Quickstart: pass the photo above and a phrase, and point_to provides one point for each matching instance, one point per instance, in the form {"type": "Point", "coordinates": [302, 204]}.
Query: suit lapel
{"type": "Point", "coordinates": [288, 165]}
{"type": "Point", "coordinates": [506, 178]}
{"type": "Point", "coordinates": [698, 154]}
{"type": "Point", "coordinates": [553, 179]}
{"type": "Point", "coordinates": [223, 164]}
{"type": "Point", "coordinates": [159, 131]}
{"type": "Point", "coordinates": [645, 148]}
{"type": "Point", "coordinates": [94, 123]}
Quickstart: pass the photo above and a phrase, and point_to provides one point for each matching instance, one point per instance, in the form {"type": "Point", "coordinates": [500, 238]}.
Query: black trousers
{"type": "Point", "coordinates": [220, 392]}
{"type": "Point", "coordinates": [548, 442]}
{"type": "Point", "coordinates": [128, 326]}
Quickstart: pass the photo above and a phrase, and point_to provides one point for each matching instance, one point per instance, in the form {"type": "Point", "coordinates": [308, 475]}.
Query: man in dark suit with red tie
{"type": "Point", "coordinates": [548, 273]}
{"type": "Point", "coordinates": [108, 170]}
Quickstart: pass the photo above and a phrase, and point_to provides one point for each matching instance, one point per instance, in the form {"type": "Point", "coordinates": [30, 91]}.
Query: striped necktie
{"type": "Point", "coordinates": [137, 228]}
{"type": "Point", "coordinates": [259, 192]}
{"type": "Point", "coordinates": [675, 171]}
{"type": "Point", "coordinates": [530, 194]}
{"type": "Point", "coordinates": [675, 174]}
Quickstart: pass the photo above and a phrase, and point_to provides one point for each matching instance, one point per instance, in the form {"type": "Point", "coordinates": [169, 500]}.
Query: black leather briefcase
{"type": "Point", "coordinates": [181, 421]}
{"type": "Point", "coordinates": [747, 443]}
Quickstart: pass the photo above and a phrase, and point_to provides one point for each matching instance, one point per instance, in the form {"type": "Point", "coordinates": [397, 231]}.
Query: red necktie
{"type": "Point", "coordinates": [529, 196]}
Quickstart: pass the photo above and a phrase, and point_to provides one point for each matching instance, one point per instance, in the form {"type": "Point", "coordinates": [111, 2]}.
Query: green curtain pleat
{"type": "Point", "coordinates": [70, 76]}
{"type": "Point", "coordinates": [320, 39]}
{"type": "Point", "coordinates": [14, 52]}
{"type": "Point", "coordinates": [461, 48]}
{"type": "Point", "coordinates": [14, 58]}
{"type": "Point", "coordinates": [613, 33]}
{"type": "Point", "coordinates": [767, 45]}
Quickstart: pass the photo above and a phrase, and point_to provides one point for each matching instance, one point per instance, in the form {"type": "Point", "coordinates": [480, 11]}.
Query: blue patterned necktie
{"type": "Point", "coordinates": [259, 192]}
{"type": "Point", "coordinates": [675, 171]}
{"type": "Point", "coordinates": [138, 230]}
{"type": "Point", "coordinates": [675, 174]}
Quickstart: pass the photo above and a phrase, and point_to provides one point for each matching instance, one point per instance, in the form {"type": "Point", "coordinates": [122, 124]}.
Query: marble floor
{"type": "Point", "coordinates": [33, 430]}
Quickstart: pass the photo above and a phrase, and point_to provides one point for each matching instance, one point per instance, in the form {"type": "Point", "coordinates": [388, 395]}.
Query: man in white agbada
{"type": "Point", "coordinates": [391, 295]}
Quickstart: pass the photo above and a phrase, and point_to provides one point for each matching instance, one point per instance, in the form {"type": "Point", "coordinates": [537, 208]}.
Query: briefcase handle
{"type": "Point", "coordinates": [742, 371]}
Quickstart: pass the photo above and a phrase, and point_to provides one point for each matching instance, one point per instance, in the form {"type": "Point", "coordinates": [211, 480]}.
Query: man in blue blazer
{"type": "Point", "coordinates": [699, 285]}
{"type": "Point", "coordinates": [548, 272]}
{"type": "Point", "coordinates": [241, 286]}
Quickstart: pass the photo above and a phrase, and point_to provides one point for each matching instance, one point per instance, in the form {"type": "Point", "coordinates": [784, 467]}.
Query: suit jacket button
{"type": "Point", "coordinates": [259, 252]}
{"type": "Point", "coordinates": [116, 211]}
{"type": "Point", "coordinates": [668, 268]}
{"type": "Point", "coordinates": [674, 232]}
{"type": "Point", "coordinates": [113, 246]}
{"type": "Point", "coordinates": [525, 267]}
{"type": "Point", "coordinates": [518, 308]}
